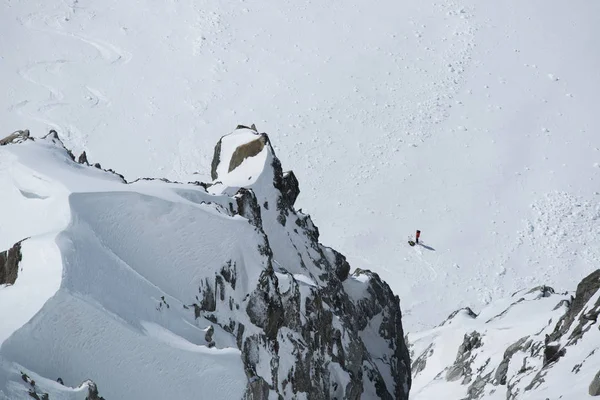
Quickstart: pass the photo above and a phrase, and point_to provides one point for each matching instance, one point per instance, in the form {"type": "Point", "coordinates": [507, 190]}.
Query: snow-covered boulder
{"type": "Point", "coordinates": [537, 344]}
{"type": "Point", "coordinates": [156, 289]}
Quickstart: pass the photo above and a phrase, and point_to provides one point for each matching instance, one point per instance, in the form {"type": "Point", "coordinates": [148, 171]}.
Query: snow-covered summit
{"type": "Point", "coordinates": [155, 289]}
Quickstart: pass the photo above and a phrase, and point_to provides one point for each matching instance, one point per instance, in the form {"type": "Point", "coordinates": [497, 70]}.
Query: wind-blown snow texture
{"type": "Point", "coordinates": [160, 290]}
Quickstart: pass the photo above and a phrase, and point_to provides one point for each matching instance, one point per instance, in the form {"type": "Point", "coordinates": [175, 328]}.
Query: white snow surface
{"type": "Point", "coordinates": [107, 284]}
{"type": "Point", "coordinates": [475, 122]}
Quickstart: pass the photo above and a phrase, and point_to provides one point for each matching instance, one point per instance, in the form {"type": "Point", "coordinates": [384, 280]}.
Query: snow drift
{"type": "Point", "coordinates": [156, 289]}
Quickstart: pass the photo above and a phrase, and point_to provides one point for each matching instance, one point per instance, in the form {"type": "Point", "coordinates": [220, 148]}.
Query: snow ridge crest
{"type": "Point", "coordinates": [225, 277]}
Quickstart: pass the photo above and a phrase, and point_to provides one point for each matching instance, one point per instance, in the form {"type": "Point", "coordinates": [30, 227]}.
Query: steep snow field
{"type": "Point", "coordinates": [475, 122]}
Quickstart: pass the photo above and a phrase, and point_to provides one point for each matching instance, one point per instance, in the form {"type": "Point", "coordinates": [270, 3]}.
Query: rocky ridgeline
{"type": "Point", "coordinates": [309, 328]}
{"type": "Point", "coordinates": [321, 327]}
{"type": "Point", "coordinates": [551, 339]}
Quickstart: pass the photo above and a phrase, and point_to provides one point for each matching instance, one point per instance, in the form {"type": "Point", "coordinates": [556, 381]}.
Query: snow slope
{"type": "Point", "coordinates": [535, 344]}
{"type": "Point", "coordinates": [156, 289]}
{"type": "Point", "coordinates": [472, 121]}
{"type": "Point", "coordinates": [121, 251]}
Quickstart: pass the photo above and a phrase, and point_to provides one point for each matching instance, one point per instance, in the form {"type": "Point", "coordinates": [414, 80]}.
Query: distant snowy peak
{"type": "Point", "coordinates": [140, 285]}
{"type": "Point", "coordinates": [533, 345]}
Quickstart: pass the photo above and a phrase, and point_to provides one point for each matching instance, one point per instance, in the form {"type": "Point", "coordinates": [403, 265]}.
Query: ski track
{"type": "Point", "coordinates": [42, 110]}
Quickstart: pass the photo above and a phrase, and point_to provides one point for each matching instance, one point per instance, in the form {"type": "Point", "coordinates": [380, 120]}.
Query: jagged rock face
{"type": "Point", "coordinates": [595, 385]}
{"type": "Point", "coordinates": [93, 392]}
{"type": "Point", "coordinates": [16, 137]}
{"type": "Point", "coordinates": [585, 290]}
{"type": "Point", "coordinates": [462, 365]}
{"type": "Point", "coordinates": [318, 324]}
{"type": "Point", "coordinates": [521, 345]}
{"type": "Point", "coordinates": [83, 159]}
{"type": "Point", "coordinates": [497, 359]}
{"type": "Point", "coordinates": [9, 264]}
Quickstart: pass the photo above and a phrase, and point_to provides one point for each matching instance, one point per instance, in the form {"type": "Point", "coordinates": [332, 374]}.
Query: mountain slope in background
{"type": "Point", "coordinates": [537, 344]}
{"type": "Point", "coordinates": [156, 289]}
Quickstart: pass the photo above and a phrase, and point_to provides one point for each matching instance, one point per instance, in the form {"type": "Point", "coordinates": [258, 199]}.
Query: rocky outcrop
{"type": "Point", "coordinates": [462, 364]}
{"type": "Point", "coordinates": [92, 391]}
{"type": "Point", "coordinates": [16, 137]}
{"type": "Point", "coordinates": [319, 325]}
{"type": "Point", "coordinates": [83, 159]}
{"type": "Point", "coordinates": [502, 370]}
{"type": "Point", "coordinates": [39, 390]}
{"type": "Point", "coordinates": [290, 189]}
{"type": "Point", "coordinates": [594, 389]}
{"type": "Point", "coordinates": [246, 150]}
{"type": "Point", "coordinates": [533, 365]}
{"type": "Point", "coordinates": [574, 321]}
{"type": "Point", "coordinates": [52, 136]}
{"type": "Point", "coordinates": [9, 264]}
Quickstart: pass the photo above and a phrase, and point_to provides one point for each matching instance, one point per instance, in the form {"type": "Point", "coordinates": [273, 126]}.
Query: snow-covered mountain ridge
{"type": "Point", "coordinates": [536, 345]}
{"type": "Point", "coordinates": [155, 289]}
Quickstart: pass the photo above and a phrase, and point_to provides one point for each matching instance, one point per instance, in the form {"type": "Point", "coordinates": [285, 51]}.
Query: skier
{"type": "Point", "coordinates": [416, 241]}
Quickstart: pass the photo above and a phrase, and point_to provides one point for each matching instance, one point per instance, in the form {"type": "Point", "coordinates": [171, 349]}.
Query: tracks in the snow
{"type": "Point", "coordinates": [48, 74]}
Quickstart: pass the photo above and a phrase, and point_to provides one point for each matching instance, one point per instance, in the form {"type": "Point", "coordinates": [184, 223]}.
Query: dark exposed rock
{"type": "Point", "coordinates": [246, 150]}
{"type": "Point", "coordinates": [552, 352]}
{"type": "Point", "coordinates": [208, 302]}
{"type": "Point", "coordinates": [257, 389]}
{"type": "Point", "coordinates": [248, 207]}
{"type": "Point", "coordinates": [466, 310]}
{"type": "Point", "coordinates": [229, 273]}
{"type": "Point", "coordinates": [208, 336]}
{"type": "Point", "coordinates": [265, 307]}
{"type": "Point", "coordinates": [562, 303]}
{"type": "Point", "coordinates": [216, 160]}
{"type": "Point", "coordinates": [53, 136]}
{"type": "Point", "coordinates": [252, 127]}
{"type": "Point", "coordinates": [16, 137]}
{"type": "Point", "coordinates": [500, 376]}
{"type": "Point", "coordinates": [585, 290]}
{"type": "Point", "coordinates": [32, 393]}
{"type": "Point", "coordinates": [290, 188]}
{"type": "Point", "coordinates": [475, 390]}
{"type": "Point", "coordinates": [594, 389]}
{"type": "Point", "coordinates": [319, 324]}
{"type": "Point", "coordinates": [462, 365]}
{"type": "Point", "coordinates": [83, 159]}
{"type": "Point", "coordinates": [9, 264]}
{"type": "Point", "coordinates": [93, 392]}
{"type": "Point", "coordinates": [421, 362]}
{"type": "Point", "coordinates": [544, 291]}
{"type": "Point", "coordinates": [342, 268]}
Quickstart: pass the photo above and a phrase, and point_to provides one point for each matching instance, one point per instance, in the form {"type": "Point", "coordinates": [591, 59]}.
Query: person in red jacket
{"type": "Point", "coordinates": [417, 236]}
